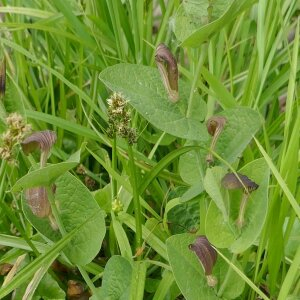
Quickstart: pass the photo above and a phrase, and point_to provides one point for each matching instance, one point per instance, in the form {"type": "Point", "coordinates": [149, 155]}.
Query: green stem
{"type": "Point", "coordinates": [114, 166]}
{"type": "Point", "coordinates": [241, 218]}
{"type": "Point", "coordinates": [136, 201]}
{"type": "Point", "coordinates": [225, 281]}
{"type": "Point", "coordinates": [87, 279]}
{"type": "Point", "coordinates": [55, 212]}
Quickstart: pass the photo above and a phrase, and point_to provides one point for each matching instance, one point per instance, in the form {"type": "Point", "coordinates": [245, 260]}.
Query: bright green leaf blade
{"type": "Point", "coordinates": [163, 163]}
{"type": "Point", "coordinates": [242, 123]}
{"type": "Point", "coordinates": [143, 88]}
{"type": "Point", "coordinates": [255, 215]}
{"type": "Point", "coordinates": [116, 278]}
{"type": "Point", "coordinates": [50, 289]}
{"type": "Point", "coordinates": [45, 176]}
{"type": "Point", "coordinates": [26, 273]}
{"type": "Point", "coordinates": [189, 274]}
{"type": "Point", "coordinates": [75, 205]}
{"type": "Point", "coordinates": [212, 186]}
{"type": "Point", "coordinates": [152, 240]}
{"type": "Point", "coordinates": [196, 35]}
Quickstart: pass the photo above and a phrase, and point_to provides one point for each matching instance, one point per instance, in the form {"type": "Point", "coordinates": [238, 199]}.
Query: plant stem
{"type": "Point", "coordinates": [209, 157]}
{"type": "Point", "coordinates": [114, 166]}
{"type": "Point", "coordinates": [225, 281]}
{"type": "Point", "coordinates": [87, 279]}
{"type": "Point", "coordinates": [241, 218]}
{"type": "Point", "coordinates": [54, 211]}
{"type": "Point", "coordinates": [136, 201]}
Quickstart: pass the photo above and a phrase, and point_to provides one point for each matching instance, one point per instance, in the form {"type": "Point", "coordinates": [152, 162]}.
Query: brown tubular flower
{"type": "Point", "coordinates": [2, 77]}
{"type": "Point", "coordinates": [207, 256]}
{"type": "Point", "coordinates": [233, 181]}
{"type": "Point", "coordinates": [38, 202]}
{"type": "Point", "coordinates": [167, 66]}
{"type": "Point", "coordinates": [215, 126]}
{"type": "Point", "coordinates": [40, 139]}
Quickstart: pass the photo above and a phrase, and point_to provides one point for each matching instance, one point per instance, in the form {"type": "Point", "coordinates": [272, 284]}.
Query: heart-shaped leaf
{"type": "Point", "coordinates": [255, 213]}
{"type": "Point", "coordinates": [143, 88]}
{"type": "Point", "coordinates": [197, 20]}
{"type": "Point", "coordinates": [45, 176]}
{"type": "Point", "coordinates": [75, 205]}
{"type": "Point", "coordinates": [189, 274]}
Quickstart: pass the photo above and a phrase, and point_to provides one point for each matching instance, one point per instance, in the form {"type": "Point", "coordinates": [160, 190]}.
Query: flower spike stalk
{"type": "Point", "coordinates": [167, 66]}
{"type": "Point", "coordinates": [215, 126]}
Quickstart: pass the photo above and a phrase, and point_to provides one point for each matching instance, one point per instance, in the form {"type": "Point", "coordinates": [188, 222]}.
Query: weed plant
{"type": "Point", "coordinates": [149, 149]}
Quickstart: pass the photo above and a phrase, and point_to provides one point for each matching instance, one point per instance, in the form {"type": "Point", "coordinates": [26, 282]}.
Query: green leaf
{"type": "Point", "coordinates": [75, 205]}
{"type": "Point", "coordinates": [255, 215]}
{"type": "Point", "coordinates": [191, 166]}
{"type": "Point", "coordinates": [189, 274]}
{"type": "Point", "coordinates": [27, 272]}
{"type": "Point", "coordinates": [45, 176]}
{"type": "Point", "coordinates": [212, 186]}
{"type": "Point", "coordinates": [143, 88]}
{"type": "Point", "coordinates": [191, 22]}
{"type": "Point", "coordinates": [242, 123]}
{"type": "Point", "coordinates": [49, 289]}
{"type": "Point", "coordinates": [116, 279]}
{"type": "Point", "coordinates": [192, 14]}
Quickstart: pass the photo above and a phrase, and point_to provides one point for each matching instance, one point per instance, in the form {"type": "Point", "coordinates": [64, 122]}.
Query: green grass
{"type": "Point", "coordinates": [63, 61]}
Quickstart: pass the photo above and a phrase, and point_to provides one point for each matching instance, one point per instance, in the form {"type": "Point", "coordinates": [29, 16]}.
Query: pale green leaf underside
{"type": "Point", "coordinates": [143, 88]}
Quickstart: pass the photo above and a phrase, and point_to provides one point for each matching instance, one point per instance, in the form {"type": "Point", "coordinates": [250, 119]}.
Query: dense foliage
{"type": "Point", "coordinates": [150, 149]}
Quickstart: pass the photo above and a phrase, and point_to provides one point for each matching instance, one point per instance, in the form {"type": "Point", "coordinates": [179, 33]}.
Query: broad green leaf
{"type": "Point", "coordinates": [192, 192]}
{"type": "Point", "coordinates": [196, 22]}
{"type": "Point", "coordinates": [191, 166]}
{"type": "Point", "coordinates": [182, 216]}
{"type": "Point", "coordinates": [103, 198]}
{"type": "Point", "coordinates": [45, 176]}
{"type": "Point", "coordinates": [75, 205]}
{"type": "Point", "coordinates": [193, 14]}
{"type": "Point", "coordinates": [212, 186]}
{"type": "Point", "coordinates": [189, 274]}
{"type": "Point", "coordinates": [116, 279]}
{"type": "Point", "coordinates": [49, 289]}
{"type": "Point", "coordinates": [255, 214]}
{"type": "Point", "coordinates": [242, 123]}
{"type": "Point", "coordinates": [144, 90]}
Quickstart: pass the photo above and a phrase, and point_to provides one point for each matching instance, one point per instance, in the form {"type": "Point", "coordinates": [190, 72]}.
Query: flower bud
{"type": "Point", "coordinates": [207, 256]}
{"type": "Point", "coordinates": [167, 66]}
